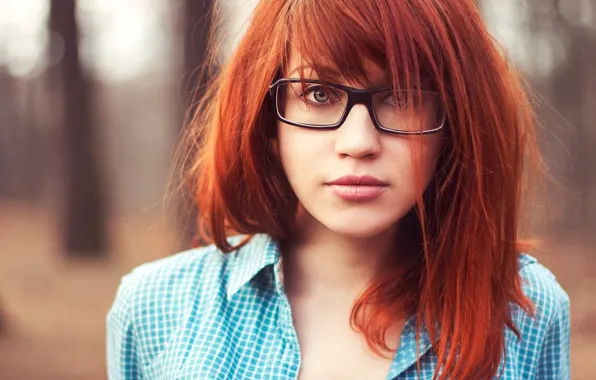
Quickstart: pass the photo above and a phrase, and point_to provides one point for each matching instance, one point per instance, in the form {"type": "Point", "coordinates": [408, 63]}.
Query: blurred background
{"type": "Point", "coordinates": [93, 96]}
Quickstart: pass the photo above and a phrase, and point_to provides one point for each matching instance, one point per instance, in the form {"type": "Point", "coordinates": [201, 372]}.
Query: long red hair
{"type": "Point", "coordinates": [460, 275]}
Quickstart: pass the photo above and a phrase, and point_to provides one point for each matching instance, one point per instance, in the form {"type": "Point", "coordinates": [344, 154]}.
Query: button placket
{"type": "Point", "coordinates": [291, 348]}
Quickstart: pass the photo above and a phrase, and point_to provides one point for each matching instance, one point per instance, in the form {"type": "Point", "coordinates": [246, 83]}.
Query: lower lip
{"type": "Point", "coordinates": [357, 192]}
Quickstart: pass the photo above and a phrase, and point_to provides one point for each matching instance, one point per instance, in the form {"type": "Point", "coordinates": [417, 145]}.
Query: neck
{"type": "Point", "coordinates": [321, 262]}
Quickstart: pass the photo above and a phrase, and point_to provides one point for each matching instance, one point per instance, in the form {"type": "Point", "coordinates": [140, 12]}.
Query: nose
{"type": "Point", "coordinates": [357, 137]}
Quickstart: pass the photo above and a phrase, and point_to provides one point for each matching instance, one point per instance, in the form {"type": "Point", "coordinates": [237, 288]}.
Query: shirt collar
{"type": "Point", "coordinates": [409, 352]}
{"type": "Point", "coordinates": [260, 251]}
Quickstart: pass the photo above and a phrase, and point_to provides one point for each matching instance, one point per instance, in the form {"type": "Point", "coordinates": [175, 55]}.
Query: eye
{"type": "Point", "coordinates": [317, 94]}
{"type": "Point", "coordinates": [321, 95]}
{"type": "Point", "coordinates": [397, 100]}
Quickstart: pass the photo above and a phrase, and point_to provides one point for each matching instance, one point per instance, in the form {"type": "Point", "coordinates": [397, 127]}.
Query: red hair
{"type": "Point", "coordinates": [461, 267]}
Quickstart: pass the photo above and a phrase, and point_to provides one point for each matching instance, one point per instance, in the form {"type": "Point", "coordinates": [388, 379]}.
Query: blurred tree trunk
{"type": "Point", "coordinates": [197, 26]}
{"type": "Point", "coordinates": [10, 162]}
{"type": "Point", "coordinates": [574, 84]}
{"type": "Point", "coordinates": [571, 87]}
{"type": "Point", "coordinates": [84, 219]}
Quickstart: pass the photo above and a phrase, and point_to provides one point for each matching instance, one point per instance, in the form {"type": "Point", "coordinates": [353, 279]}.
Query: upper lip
{"type": "Point", "coordinates": [358, 180]}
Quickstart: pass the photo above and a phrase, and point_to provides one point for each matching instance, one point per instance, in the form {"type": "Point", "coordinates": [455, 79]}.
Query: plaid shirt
{"type": "Point", "coordinates": [202, 314]}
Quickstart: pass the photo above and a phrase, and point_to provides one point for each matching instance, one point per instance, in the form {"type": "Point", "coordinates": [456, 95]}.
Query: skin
{"type": "Point", "coordinates": [342, 245]}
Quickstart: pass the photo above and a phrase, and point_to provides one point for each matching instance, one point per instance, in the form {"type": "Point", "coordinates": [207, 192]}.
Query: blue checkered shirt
{"type": "Point", "coordinates": [202, 314]}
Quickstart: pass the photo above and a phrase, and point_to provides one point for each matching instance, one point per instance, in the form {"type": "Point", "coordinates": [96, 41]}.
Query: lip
{"type": "Point", "coordinates": [357, 188]}
{"type": "Point", "coordinates": [358, 180]}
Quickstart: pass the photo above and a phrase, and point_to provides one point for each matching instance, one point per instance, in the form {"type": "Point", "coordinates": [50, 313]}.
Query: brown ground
{"type": "Point", "coordinates": [56, 308]}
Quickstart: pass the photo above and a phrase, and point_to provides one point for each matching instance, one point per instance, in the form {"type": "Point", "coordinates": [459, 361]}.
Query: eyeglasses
{"type": "Point", "coordinates": [322, 105]}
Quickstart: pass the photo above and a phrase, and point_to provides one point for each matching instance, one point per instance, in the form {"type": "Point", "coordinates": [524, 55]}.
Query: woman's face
{"type": "Point", "coordinates": [355, 180]}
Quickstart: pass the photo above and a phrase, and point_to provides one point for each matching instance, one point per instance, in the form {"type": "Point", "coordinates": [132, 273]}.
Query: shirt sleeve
{"type": "Point", "coordinates": [553, 362]}
{"type": "Point", "coordinates": [122, 355]}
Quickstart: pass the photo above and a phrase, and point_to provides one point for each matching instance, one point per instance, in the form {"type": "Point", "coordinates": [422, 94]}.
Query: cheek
{"type": "Point", "coordinates": [297, 143]}
{"type": "Point", "coordinates": [424, 154]}
{"type": "Point", "coordinates": [414, 163]}
{"type": "Point", "coordinates": [287, 150]}
{"type": "Point", "coordinates": [298, 150]}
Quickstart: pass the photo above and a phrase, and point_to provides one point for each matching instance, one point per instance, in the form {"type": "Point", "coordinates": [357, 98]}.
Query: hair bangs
{"type": "Point", "coordinates": [342, 38]}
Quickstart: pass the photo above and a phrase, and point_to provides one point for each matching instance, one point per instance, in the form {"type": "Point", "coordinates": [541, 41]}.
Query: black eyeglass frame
{"type": "Point", "coordinates": [355, 96]}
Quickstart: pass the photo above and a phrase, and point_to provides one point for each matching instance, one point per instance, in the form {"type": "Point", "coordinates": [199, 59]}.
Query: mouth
{"type": "Point", "coordinates": [357, 188]}
{"type": "Point", "coordinates": [357, 180]}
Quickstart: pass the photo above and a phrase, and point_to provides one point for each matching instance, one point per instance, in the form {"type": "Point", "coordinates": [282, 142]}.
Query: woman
{"type": "Point", "coordinates": [360, 175]}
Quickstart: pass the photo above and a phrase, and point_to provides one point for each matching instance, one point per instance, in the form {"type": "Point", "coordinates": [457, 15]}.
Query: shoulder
{"type": "Point", "coordinates": [177, 279]}
{"type": "Point", "coordinates": [541, 286]}
{"type": "Point", "coordinates": [154, 299]}
{"type": "Point", "coordinates": [543, 349]}
{"type": "Point", "coordinates": [172, 273]}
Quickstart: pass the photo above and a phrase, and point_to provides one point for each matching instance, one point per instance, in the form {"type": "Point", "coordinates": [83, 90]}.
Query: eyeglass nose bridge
{"type": "Point", "coordinates": [364, 97]}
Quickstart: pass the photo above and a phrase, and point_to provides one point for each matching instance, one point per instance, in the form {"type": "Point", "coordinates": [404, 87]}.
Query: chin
{"type": "Point", "coordinates": [360, 228]}
{"type": "Point", "coordinates": [359, 221]}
